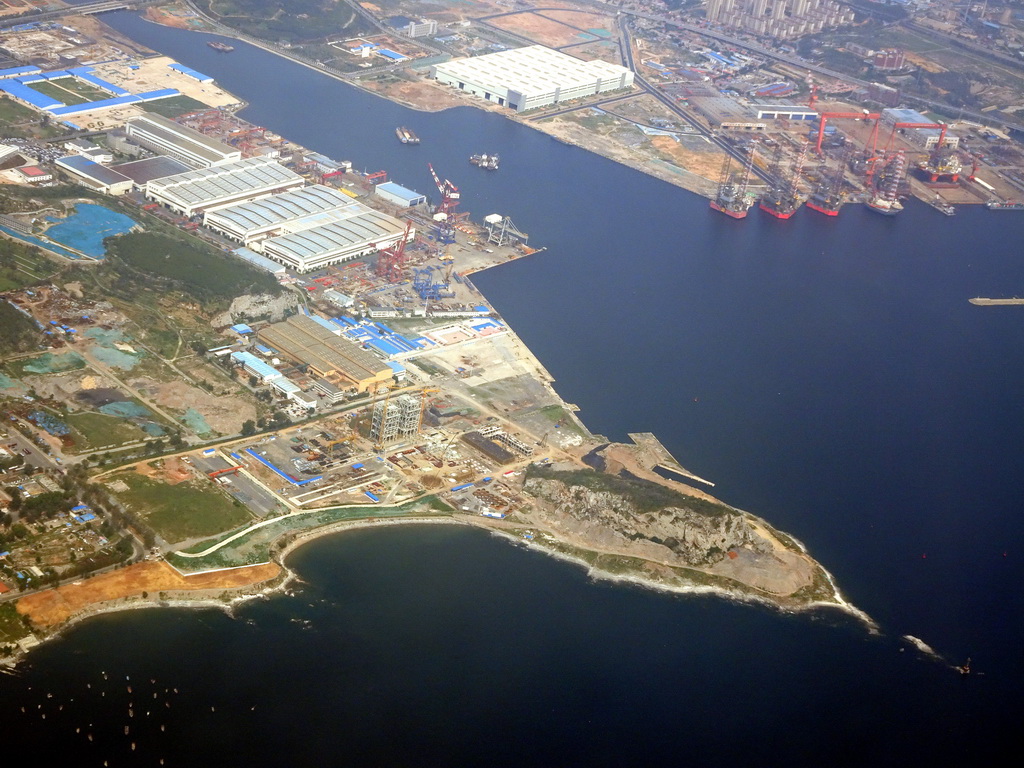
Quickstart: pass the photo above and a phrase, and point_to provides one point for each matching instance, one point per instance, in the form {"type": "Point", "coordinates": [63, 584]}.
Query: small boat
{"type": "Point", "coordinates": [406, 136]}
{"type": "Point", "coordinates": [487, 162]}
{"type": "Point", "coordinates": [884, 206]}
{"type": "Point", "coordinates": [221, 47]}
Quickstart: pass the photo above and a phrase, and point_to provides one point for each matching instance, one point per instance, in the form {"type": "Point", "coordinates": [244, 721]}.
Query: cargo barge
{"type": "Point", "coordinates": [1009, 205]}
{"type": "Point", "coordinates": [406, 136]}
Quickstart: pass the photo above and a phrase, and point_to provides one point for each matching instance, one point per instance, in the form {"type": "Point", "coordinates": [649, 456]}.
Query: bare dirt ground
{"type": "Point", "coordinates": [538, 28]}
{"type": "Point", "coordinates": [173, 471]}
{"type": "Point", "coordinates": [175, 16]}
{"type": "Point", "coordinates": [50, 608]}
{"type": "Point", "coordinates": [926, 64]}
{"type": "Point", "coordinates": [704, 164]}
{"type": "Point", "coordinates": [427, 96]}
{"type": "Point", "coordinates": [12, 7]}
{"type": "Point", "coordinates": [677, 173]}
{"type": "Point", "coordinates": [605, 50]}
{"type": "Point", "coordinates": [224, 413]}
{"type": "Point", "coordinates": [582, 19]}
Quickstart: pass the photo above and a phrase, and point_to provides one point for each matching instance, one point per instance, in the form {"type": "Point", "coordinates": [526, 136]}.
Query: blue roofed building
{"type": "Point", "coordinates": [252, 365]}
{"type": "Point", "coordinates": [92, 174]}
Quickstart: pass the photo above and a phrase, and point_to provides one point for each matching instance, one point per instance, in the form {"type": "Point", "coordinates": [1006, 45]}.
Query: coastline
{"type": "Point", "coordinates": [229, 596]}
{"type": "Point", "coordinates": [227, 599]}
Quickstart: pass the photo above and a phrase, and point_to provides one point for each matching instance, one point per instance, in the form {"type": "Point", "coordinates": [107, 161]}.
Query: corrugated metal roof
{"type": "Point", "coordinates": [359, 228]}
{"type": "Point", "coordinates": [278, 209]}
{"type": "Point", "coordinates": [208, 185]}
{"type": "Point", "coordinates": [529, 70]}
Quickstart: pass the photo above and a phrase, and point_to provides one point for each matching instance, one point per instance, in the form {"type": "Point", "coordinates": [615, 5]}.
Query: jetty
{"type": "Point", "coordinates": [980, 302]}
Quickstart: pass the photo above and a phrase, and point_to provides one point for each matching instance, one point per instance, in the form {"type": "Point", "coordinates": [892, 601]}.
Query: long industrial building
{"type": "Point", "coordinates": [328, 355]}
{"type": "Point", "coordinates": [260, 219]}
{"type": "Point", "coordinates": [531, 77]}
{"type": "Point", "coordinates": [322, 239]}
{"type": "Point", "coordinates": [205, 189]}
{"type": "Point", "coordinates": [166, 137]}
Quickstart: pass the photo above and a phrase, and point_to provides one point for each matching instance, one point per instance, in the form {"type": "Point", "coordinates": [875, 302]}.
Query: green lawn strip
{"type": "Point", "coordinates": [100, 430]}
{"type": "Point", "coordinates": [55, 91]}
{"type": "Point", "coordinates": [175, 106]}
{"type": "Point", "coordinates": [81, 88]}
{"type": "Point", "coordinates": [182, 511]}
{"type": "Point", "coordinates": [255, 547]}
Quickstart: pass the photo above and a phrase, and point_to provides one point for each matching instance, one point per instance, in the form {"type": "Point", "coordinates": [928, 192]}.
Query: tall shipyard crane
{"type": "Point", "coordinates": [391, 260]}
{"type": "Point", "coordinates": [445, 213]}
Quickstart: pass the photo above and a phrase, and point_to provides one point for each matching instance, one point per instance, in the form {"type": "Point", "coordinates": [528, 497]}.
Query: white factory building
{"type": "Point", "coordinates": [322, 239]}
{"type": "Point", "coordinates": [205, 189]}
{"type": "Point", "coordinates": [266, 217]}
{"type": "Point", "coordinates": [166, 137]}
{"type": "Point", "coordinates": [531, 77]}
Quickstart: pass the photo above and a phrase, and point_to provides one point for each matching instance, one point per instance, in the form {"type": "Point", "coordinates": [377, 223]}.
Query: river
{"type": "Point", "coordinates": [828, 374]}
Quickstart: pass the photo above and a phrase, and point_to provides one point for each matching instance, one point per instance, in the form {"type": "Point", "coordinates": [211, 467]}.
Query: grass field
{"type": "Point", "coordinates": [188, 264]}
{"type": "Point", "coordinates": [173, 107]}
{"type": "Point", "coordinates": [55, 91]}
{"type": "Point", "coordinates": [83, 89]}
{"type": "Point", "coordinates": [13, 112]}
{"type": "Point", "coordinates": [70, 91]}
{"type": "Point", "coordinates": [182, 511]}
{"type": "Point", "coordinates": [98, 430]}
{"type": "Point", "coordinates": [20, 267]}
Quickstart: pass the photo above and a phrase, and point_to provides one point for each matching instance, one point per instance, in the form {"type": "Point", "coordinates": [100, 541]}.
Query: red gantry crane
{"type": "Point", "coordinates": [445, 213]}
{"type": "Point", "coordinates": [824, 117]}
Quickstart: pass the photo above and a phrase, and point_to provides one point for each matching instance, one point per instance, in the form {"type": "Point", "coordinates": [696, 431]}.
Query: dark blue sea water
{"type": "Point", "coordinates": [829, 375]}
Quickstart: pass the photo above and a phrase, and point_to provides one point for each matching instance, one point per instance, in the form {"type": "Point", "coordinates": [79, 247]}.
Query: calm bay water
{"type": "Point", "coordinates": [827, 374]}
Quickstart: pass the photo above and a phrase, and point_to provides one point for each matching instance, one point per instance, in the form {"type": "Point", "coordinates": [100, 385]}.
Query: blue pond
{"type": "Point", "coordinates": [85, 229]}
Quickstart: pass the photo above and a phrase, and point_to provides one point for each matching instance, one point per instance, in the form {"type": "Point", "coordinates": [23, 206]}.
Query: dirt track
{"type": "Point", "coordinates": [54, 606]}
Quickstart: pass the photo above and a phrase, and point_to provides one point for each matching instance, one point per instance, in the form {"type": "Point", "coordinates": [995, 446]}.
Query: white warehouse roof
{"type": "Point", "coordinates": [334, 236]}
{"type": "Point", "coordinates": [194, 191]}
{"type": "Point", "coordinates": [533, 69]}
{"type": "Point", "coordinates": [247, 220]}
